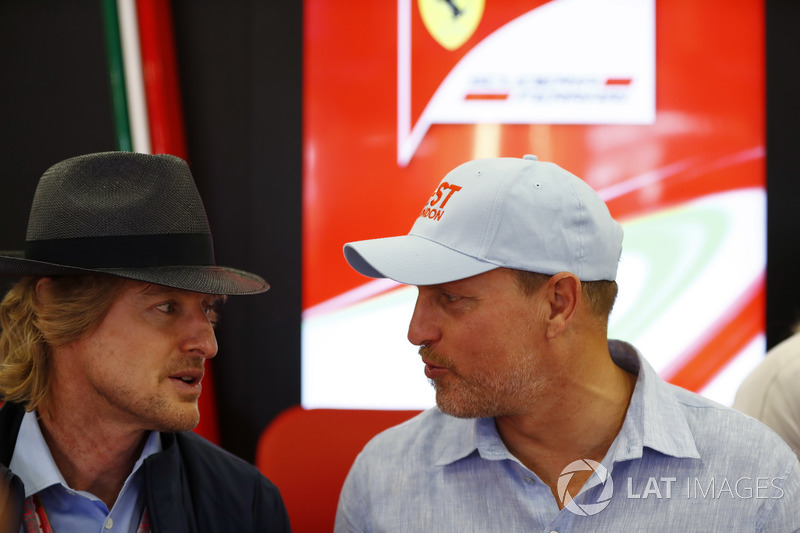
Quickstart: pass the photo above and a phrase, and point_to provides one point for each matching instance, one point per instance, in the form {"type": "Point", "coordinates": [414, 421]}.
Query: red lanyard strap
{"type": "Point", "coordinates": [35, 517]}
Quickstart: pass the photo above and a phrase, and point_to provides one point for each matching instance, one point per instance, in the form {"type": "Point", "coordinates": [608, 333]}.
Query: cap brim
{"type": "Point", "coordinates": [194, 278]}
{"type": "Point", "coordinates": [412, 260]}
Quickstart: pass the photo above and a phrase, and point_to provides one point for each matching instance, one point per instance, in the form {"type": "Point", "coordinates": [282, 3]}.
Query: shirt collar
{"type": "Point", "coordinates": [654, 420]}
{"type": "Point", "coordinates": [471, 435]}
{"type": "Point", "coordinates": [34, 464]}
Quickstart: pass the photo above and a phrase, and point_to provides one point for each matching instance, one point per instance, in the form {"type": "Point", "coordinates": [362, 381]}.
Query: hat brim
{"type": "Point", "coordinates": [194, 278]}
{"type": "Point", "coordinates": [412, 260]}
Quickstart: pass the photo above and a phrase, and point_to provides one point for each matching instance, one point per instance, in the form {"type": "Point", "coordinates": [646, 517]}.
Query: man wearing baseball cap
{"type": "Point", "coordinates": [542, 423]}
{"type": "Point", "coordinates": [102, 352]}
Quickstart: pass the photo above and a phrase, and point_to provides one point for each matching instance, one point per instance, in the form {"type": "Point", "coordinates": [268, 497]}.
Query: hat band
{"type": "Point", "coordinates": [126, 251]}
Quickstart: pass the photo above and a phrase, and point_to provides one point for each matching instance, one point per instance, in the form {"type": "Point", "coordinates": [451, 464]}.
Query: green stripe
{"type": "Point", "coordinates": [116, 72]}
{"type": "Point", "coordinates": [676, 245]}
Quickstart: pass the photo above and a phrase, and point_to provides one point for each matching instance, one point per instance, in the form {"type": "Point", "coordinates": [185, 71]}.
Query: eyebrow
{"type": "Point", "coordinates": [455, 284]}
{"type": "Point", "coordinates": [151, 289]}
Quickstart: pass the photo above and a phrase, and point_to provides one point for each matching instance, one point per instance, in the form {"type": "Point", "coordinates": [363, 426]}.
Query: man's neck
{"type": "Point", "coordinates": [581, 424]}
{"type": "Point", "coordinates": [91, 456]}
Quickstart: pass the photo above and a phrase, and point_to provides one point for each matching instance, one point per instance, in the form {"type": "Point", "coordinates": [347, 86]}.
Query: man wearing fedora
{"type": "Point", "coordinates": [542, 423]}
{"type": "Point", "coordinates": [102, 351]}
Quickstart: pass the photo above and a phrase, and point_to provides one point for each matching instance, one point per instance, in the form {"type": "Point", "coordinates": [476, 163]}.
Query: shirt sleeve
{"type": "Point", "coordinates": [783, 514]}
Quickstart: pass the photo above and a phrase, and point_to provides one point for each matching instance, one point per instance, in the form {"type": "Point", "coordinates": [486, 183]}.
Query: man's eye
{"type": "Point", "coordinates": [166, 307]}
{"type": "Point", "coordinates": [451, 298]}
{"type": "Point", "coordinates": [212, 312]}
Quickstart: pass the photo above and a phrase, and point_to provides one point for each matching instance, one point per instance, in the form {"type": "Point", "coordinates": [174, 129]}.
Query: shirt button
{"type": "Point", "coordinates": [109, 523]}
{"type": "Point", "coordinates": [528, 480]}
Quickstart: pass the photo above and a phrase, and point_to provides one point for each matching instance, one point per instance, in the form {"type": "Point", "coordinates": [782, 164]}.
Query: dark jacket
{"type": "Point", "coordinates": [192, 486]}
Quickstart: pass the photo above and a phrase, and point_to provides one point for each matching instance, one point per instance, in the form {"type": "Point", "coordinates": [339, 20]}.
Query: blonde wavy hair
{"type": "Point", "coordinates": [33, 323]}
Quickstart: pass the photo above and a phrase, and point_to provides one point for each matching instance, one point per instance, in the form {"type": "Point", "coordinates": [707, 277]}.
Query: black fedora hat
{"type": "Point", "coordinates": [126, 214]}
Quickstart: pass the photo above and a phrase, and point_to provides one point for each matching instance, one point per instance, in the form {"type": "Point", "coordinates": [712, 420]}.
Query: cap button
{"type": "Point", "coordinates": [530, 157]}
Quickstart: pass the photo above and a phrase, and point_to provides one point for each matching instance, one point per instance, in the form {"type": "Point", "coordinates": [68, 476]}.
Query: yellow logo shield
{"type": "Point", "coordinates": [451, 22]}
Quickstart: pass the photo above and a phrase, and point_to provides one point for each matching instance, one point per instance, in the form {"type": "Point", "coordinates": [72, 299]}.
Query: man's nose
{"type": "Point", "coordinates": [200, 338]}
{"type": "Point", "coordinates": [422, 329]}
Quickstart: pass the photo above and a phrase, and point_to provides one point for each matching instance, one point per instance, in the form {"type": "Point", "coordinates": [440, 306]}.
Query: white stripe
{"type": "Point", "coordinates": [134, 81]}
{"type": "Point", "coordinates": [403, 78]}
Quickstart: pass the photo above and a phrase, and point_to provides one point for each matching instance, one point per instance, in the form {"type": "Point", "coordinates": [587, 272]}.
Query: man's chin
{"type": "Point", "coordinates": [179, 422]}
{"type": "Point", "coordinates": [455, 408]}
{"type": "Point", "coordinates": [461, 404]}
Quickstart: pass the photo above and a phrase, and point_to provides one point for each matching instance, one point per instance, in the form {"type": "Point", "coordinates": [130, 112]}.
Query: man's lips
{"type": "Point", "coordinates": [432, 370]}
{"type": "Point", "coordinates": [188, 377]}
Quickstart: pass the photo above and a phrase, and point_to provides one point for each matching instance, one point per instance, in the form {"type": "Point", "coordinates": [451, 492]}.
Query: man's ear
{"type": "Point", "coordinates": [43, 286]}
{"type": "Point", "coordinates": [564, 295]}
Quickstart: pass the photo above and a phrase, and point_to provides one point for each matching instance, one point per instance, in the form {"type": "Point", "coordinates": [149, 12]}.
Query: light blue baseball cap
{"type": "Point", "coordinates": [517, 213]}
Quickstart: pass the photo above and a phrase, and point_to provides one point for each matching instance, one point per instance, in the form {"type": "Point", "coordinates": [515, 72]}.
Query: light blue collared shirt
{"type": "Point", "coordinates": [68, 509]}
{"type": "Point", "coordinates": [679, 463]}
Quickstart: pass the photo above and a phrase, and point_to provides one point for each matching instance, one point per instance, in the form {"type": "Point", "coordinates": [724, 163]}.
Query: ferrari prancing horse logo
{"type": "Point", "coordinates": [451, 22]}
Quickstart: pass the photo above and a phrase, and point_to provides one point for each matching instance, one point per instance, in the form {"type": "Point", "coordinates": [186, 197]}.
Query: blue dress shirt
{"type": "Point", "coordinates": [68, 509]}
{"type": "Point", "coordinates": [679, 463]}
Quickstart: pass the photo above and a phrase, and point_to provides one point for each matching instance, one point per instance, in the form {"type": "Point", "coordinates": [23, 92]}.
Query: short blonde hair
{"type": "Point", "coordinates": [32, 324]}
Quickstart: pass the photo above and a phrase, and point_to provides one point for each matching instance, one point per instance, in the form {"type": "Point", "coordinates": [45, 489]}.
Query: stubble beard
{"type": "Point", "coordinates": [167, 417]}
{"type": "Point", "coordinates": [487, 395]}
{"type": "Point", "coordinates": [154, 413]}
